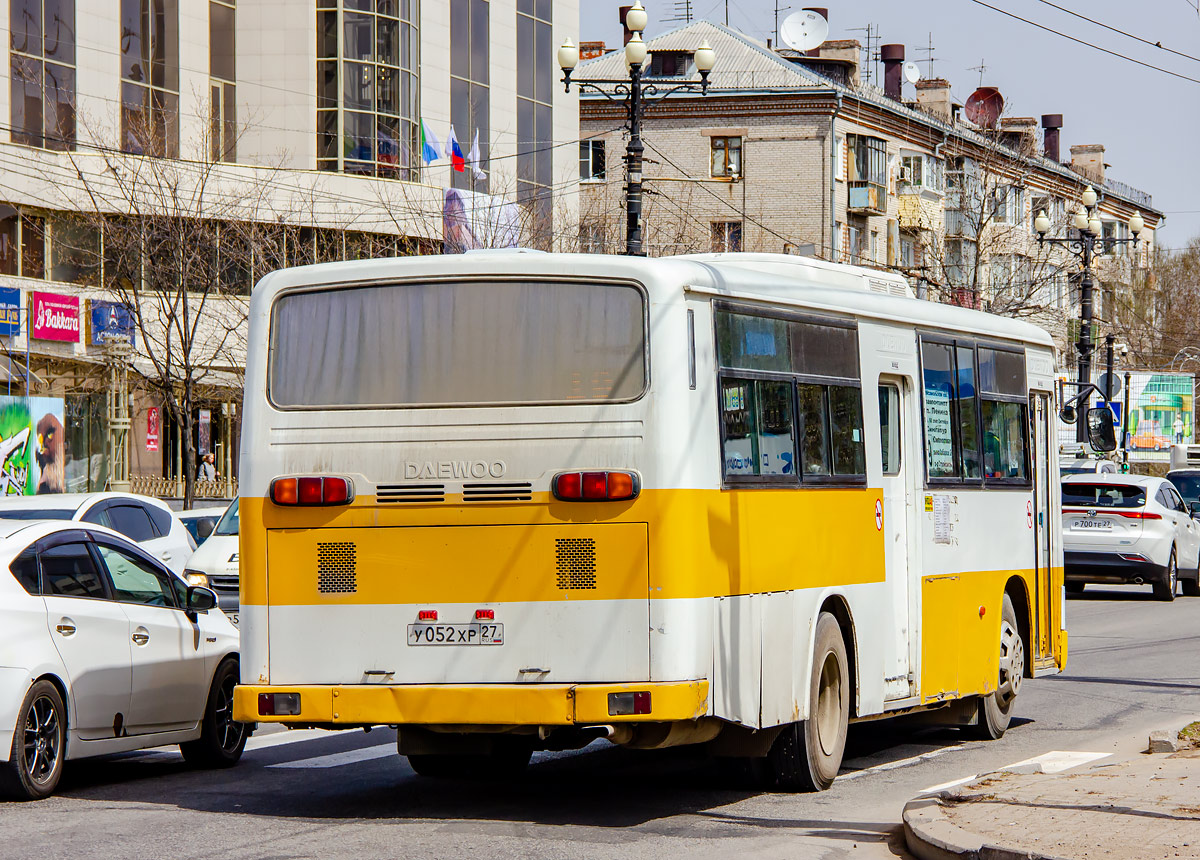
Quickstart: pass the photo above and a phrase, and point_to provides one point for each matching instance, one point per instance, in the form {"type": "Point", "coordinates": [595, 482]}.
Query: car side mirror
{"type": "Point", "coordinates": [1101, 433]}
{"type": "Point", "coordinates": [1194, 508]}
{"type": "Point", "coordinates": [205, 526]}
{"type": "Point", "coordinates": [200, 599]}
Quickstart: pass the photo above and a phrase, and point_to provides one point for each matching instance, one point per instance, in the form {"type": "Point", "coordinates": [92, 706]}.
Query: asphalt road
{"type": "Point", "coordinates": [1134, 666]}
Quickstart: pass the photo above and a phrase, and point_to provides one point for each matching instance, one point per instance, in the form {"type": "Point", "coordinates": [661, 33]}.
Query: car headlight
{"type": "Point", "coordinates": [195, 577]}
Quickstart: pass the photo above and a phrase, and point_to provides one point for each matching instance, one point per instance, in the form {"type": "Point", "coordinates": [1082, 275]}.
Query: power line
{"type": "Point", "coordinates": [1118, 31]}
{"type": "Point", "coordinates": [1085, 43]}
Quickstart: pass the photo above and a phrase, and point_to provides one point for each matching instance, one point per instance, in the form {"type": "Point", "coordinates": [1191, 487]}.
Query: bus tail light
{"type": "Point", "coordinates": [625, 704]}
{"type": "Point", "coordinates": [312, 491]}
{"type": "Point", "coordinates": [595, 486]}
{"type": "Point", "coordinates": [485, 614]}
{"type": "Point", "coordinates": [278, 704]}
{"type": "Point", "coordinates": [427, 615]}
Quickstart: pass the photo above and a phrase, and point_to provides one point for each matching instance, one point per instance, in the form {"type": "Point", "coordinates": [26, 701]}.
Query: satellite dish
{"type": "Point", "coordinates": [912, 73]}
{"type": "Point", "coordinates": [985, 106]}
{"type": "Point", "coordinates": [804, 30]}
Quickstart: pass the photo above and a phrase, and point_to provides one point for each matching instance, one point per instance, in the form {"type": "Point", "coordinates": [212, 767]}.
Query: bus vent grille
{"type": "Point", "coordinates": [336, 568]}
{"type": "Point", "coordinates": [576, 562]}
{"type": "Point", "coordinates": [389, 493]}
{"type": "Point", "coordinates": [513, 492]}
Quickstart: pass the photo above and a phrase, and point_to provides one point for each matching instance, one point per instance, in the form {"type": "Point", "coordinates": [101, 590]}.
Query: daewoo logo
{"type": "Point", "coordinates": [454, 469]}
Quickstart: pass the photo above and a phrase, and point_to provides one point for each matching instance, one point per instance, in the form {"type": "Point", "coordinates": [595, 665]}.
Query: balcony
{"type": "Point", "coordinates": [867, 198]}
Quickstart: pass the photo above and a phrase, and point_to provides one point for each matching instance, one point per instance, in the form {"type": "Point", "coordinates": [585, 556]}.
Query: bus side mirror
{"type": "Point", "coordinates": [1101, 432]}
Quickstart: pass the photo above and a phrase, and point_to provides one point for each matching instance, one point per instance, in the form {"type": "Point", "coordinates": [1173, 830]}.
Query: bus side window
{"type": "Point", "coordinates": [737, 419]}
{"type": "Point", "coordinates": [777, 438]}
{"type": "Point", "coordinates": [889, 428]}
{"type": "Point", "coordinates": [814, 439]}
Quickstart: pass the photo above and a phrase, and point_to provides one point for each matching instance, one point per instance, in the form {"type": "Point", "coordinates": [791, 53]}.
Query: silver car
{"type": "Point", "coordinates": [1129, 529]}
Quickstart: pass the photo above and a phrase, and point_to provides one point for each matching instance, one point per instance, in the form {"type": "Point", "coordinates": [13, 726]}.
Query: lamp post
{"type": "Point", "coordinates": [636, 92]}
{"type": "Point", "coordinates": [1088, 227]}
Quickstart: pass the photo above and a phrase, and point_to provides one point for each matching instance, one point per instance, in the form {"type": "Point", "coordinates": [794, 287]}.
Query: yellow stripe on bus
{"type": "Point", "coordinates": [665, 544]}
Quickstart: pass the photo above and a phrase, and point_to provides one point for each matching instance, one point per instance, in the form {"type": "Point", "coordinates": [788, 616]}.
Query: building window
{"type": "Point", "coordinates": [42, 73]}
{"type": "Point", "coordinates": [868, 159]}
{"type": "Point", "coordinates": [591, 237]}
{"type": "Point", "coordinates": [535, 117]}
{"type": "Point", "coordinates": [470, 96]}
{"type": "Point", "coordinates": [591, 159]}
{"type": "Point", "coordinates": [839, 166]}
{"type": "Point", "coordinates": [367, 100]}
{"type": "Point", "coordinates": [1008, 204]}
{"type": "Point", "coordinates": [726, 156]}
{"type": "Point", "coordinates": [854, 242]}
{"type": "Point", "coordinates": [222, 70]}
{"type": "Point", "coordinates": [726, 236]}
{"type": "Point", "coordinates": [150, 77]}
{"type": "Point", "coordinates": [22, 243]}
{"type": "Point", "coordinates": [669, 64]}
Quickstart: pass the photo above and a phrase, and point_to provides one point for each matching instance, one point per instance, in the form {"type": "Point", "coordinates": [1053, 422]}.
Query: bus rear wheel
{"type": "Point", "coordinates": [996, 709]}
{"type": "Point", "coordinates": [807, 756]}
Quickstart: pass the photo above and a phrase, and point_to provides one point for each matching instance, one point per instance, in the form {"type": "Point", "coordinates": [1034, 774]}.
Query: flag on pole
{"type": "Point", "coordinates": [430, 145]}
{"type": "Point", "coordinates": [454, 152]}
{"type": "Point", "coordinates": [473, 157]}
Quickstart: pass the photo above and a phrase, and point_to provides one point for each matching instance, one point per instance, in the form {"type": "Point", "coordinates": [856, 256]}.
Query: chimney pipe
{"type": "Point", "coordinates": [1052, 122]}
{"type": "Point", "coordinates": [824, 13]}
{"type": "Point", "coordinates": [628, 33]}
{"type": "Point", "coordinates": [893, 70]}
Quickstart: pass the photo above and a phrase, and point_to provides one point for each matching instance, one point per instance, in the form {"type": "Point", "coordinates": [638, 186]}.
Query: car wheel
{"type": "Point", "coordinates": [995, 710]}
{"type": "Point", "coordinates": [35, 762]}
{"type": "Point", "coordinates": [222, 738]}
{"type": "Point", "coordinates": [1166, 587]}
{"type": "Point", "coordinates": [808, 755]}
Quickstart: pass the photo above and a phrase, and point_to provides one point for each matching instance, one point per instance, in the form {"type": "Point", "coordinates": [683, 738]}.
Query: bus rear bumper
{"type": "Point", "coordinates": [477, 704]}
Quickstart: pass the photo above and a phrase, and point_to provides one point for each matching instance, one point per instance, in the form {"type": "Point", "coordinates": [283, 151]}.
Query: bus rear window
{"type": "Point", "coordinates": [1102, 495]}
{"type": "Point", "coordinates": [458, 344]}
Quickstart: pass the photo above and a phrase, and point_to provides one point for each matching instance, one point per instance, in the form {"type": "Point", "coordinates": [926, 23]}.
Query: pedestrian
{"type": "Point", "coordinates": [208, 469]}
{"type": "Point", "coordinates": [1178, 429]}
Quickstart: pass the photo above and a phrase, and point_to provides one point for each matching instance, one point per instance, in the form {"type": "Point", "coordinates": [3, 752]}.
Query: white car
{"type": "Point", "coordinates": [1129, 529]}
{"type": "Point", "coordinates": [104, 650]}
{"type": "Point", "coordinates": [1087, 466]}
{"type": "Point", "coordinates": [200, 522]}
{"type": "Point", "coordinates": [215, 563]}
{"type": "Point", "coordinates": [143, 520]}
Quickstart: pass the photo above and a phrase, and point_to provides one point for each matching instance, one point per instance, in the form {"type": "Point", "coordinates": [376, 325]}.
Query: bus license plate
{"type": "Point", "coordinates": [456, 634]}
{"type": "Point", "coordinates": [1094, 525]}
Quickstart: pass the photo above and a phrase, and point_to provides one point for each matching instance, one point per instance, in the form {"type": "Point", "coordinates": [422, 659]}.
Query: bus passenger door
{"type": "Point", "coordinates": [1040, 416]}
{"type": "Point", "coordinates": [896, 428]}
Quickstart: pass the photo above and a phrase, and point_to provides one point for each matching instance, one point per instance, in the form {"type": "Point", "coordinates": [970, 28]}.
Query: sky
{"type": "Point", "coordinates": [1148, 121]}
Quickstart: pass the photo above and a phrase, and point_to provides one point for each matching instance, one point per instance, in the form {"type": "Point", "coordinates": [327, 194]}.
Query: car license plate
{"type": "Point", "coordinates": [1093, 525]}
{"type": "Point", "coordinates": [233, 618]}
{"type": "Point", "coordinates": [456, 634]}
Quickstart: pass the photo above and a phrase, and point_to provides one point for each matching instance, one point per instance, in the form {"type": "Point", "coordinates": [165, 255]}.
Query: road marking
{"type": "Point", "coordinates": [338, 759]}
{"type": "Point", "coordinates": [288, 736]}
{"type": "Point", "coordinates": [1052, 762]}
{"type": "Point", "coordinates": [904, 762]}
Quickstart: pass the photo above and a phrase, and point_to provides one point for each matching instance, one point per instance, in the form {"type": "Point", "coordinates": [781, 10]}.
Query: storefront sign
{"type": "Point", "coordinates": [55, 317]}
{"type": "Point", "coordinates": [205, 432]}
{"type": "Point", "coordinates": [109, 320]}
{"type": "Point", "coordinates": [10, 311]}
{"type": "Point", "coordinates": [152, 428]}
{"type": "Point", "coordinates": [32, 446]}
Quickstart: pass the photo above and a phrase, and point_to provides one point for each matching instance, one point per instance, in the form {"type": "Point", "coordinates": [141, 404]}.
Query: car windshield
{"type": "Point", "coordinates": [1103, 495]}
{"type": "Point", "coordinates": [229, 521]}
{"type": "Point", "coordinates": [36, 514]}
{"type": "Point", "coordinates": [1078, 470]}
{"type": "Point", "coordinates": [1188, 486]}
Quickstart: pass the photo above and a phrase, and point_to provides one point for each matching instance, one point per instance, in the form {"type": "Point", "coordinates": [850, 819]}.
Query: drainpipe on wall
{"type": "Point", "coordinates": [833, 156]}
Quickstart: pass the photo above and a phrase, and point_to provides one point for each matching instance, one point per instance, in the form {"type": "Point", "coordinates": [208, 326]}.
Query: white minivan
{"type": "Point", "coordinates": [215, 562]}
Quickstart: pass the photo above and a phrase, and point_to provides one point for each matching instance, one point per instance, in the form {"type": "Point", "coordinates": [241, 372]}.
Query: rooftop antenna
{"type": "Point", "coordinates": [683, 12]}
{"type": "Point", "coordinates": [981, 68]}
{"type": "Point", "coordinates": [872, 49]}
{"type": "Point", "coordinates": [929, 57]}
{"type": "Point", "coordinates": [778, 9]}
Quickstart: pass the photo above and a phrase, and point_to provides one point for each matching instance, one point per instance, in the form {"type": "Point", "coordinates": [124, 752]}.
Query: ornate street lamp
{"type": "Point", "coordinates": [634, 93]}
{"type": "Point", "coordinates": [1088, 226]}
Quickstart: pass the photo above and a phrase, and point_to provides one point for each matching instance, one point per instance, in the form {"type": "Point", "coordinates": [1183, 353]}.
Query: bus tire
{"type": "Point", "coordinates": [807, 755]}
{"type": "Point", "coordinates": [996, 709]}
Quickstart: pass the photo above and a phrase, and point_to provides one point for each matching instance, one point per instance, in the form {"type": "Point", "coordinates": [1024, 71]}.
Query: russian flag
{"type": "Point", "coordinates": [454, 152]}
{"type": "Point", "coordinates": [429, 144]}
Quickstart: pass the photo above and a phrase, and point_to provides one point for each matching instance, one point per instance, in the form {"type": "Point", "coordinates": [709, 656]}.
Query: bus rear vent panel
{"type": "Point", "coordinates": [420, 493]}
{"type": "Point", "coordinates": [498, 492]}
{"type": "Point", "coordinates": [576, 563]}
{"type": "Point", "coordinates": [336, 568]}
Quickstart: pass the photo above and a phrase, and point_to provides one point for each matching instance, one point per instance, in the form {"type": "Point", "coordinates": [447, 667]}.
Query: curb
{"type": "Point", "coordinates": [930, 835]}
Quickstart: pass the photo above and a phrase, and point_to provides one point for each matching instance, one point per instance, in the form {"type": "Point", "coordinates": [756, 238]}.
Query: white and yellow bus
{"type": "Point", "coordinates": [508, 501]}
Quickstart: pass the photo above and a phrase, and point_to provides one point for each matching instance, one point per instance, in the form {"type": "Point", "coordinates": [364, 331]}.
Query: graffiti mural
{"type": "Point", "coordinates": [32, 446]}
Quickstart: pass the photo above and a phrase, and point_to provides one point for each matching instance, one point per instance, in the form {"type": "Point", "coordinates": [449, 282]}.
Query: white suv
{"type": "Point", "coordinates": [1129, 529]}
{"type": "Point", "coordinates": [104, 650]}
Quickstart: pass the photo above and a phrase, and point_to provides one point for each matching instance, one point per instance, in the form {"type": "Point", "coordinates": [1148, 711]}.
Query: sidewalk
{"type": "Point", "coordinates": [1143, 808]}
